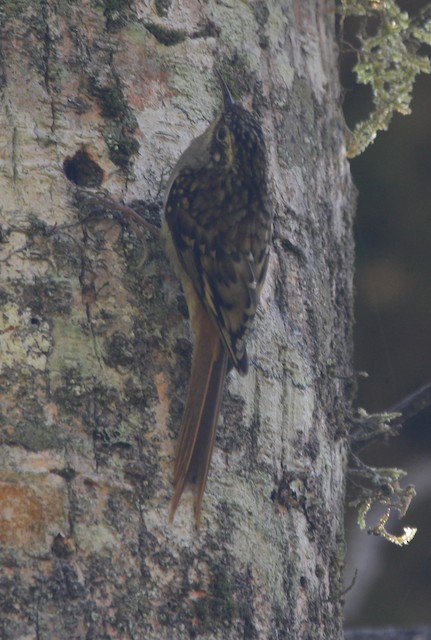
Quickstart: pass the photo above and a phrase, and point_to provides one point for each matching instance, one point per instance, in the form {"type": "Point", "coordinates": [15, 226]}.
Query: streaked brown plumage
{"type": "Point", "coordinates": [218, 222]}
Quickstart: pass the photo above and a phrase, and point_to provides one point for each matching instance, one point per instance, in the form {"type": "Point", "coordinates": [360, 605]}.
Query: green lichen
{"type": "Point", "coordinates": [164, 35]}
{"type": "Point", "coordinates": [113, 105]}
{"type": "Point", "coordinates": [26, 421]}
{"type": "Point", "coordinates": [122, 147]}
{"type": "Point", "coordinates": [261, 13]}
{"type": "Point", "coordinates": [36, 434]}
{"type": "Point", "coordinates": [10, 8]}
{"type": "Point", "coordinates": [222, 603]}
{"type": "Point", "coordinates": [121, 120]}
{"type": "Point", "coordinates": [119, 350]}
{"type": "Point", "coordinates": [48, 296]}
{"type": "Point", "coordinates": [113, 102]}
{"type": "Point", "coordinates": [162, 7]}
{"type": "Point", "coordinates": [389, 58]}
{"type": "Point", "coordinates": [219, 606]}
{"type": "Point", "coordinates": [117, 13]}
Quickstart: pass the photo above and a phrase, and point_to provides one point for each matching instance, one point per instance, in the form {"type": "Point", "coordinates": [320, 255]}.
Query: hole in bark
{"type": "Point", "coordinates": [82, 170]}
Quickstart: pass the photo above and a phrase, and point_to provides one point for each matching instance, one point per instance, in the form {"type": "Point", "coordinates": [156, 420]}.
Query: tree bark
{"type": "Point", "coordinates": [422, 633]}
{"type": "Point", "coordinates": [95, 341]}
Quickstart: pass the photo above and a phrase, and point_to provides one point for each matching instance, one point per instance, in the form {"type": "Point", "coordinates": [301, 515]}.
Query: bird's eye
{"type": "Point", "coordinates": [221, 133]}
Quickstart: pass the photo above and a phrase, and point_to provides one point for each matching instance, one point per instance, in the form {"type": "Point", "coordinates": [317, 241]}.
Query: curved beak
{"type": "Point", "coordinates": [227, 96]}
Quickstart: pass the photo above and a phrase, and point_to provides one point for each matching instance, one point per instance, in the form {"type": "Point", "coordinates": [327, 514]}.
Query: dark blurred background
{"type": "Point", "coordinates": [393, 345]}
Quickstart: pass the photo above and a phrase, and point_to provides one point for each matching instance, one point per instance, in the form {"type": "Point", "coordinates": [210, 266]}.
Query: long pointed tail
{"type": "Point", "coordinates": [199, 423]}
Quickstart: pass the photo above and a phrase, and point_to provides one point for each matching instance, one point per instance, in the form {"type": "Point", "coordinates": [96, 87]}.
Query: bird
{"type": "Point", "coordinates": [217, 228]}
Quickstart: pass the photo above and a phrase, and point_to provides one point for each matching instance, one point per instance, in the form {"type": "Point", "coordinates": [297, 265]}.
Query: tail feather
{"type": "Point", "coordinates": [202, 454]}
{"type": "Point", "coordinates": [199, 423]}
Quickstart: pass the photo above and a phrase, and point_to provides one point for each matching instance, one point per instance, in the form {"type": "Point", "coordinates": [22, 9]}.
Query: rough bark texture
{"type": "Point", "coordinates": [423, 633]}
{"type": "Point", "coordinates": [95, 344]}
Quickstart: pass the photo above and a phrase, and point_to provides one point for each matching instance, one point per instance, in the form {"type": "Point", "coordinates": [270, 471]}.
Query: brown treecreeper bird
{"type": "Point", "coordinates": [218, 223]}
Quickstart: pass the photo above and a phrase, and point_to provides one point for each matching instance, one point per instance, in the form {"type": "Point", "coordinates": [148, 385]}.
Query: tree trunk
{"type": "Point", "coordinates": [421, 633]}
{"type": "Point", "coordinates": [95, 350]}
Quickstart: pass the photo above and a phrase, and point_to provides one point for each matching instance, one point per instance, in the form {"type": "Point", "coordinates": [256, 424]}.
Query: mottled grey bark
{"type": "Point", "coordinates": [423, 633]}
{"type": "Point", "coordinates": [95, 342]}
